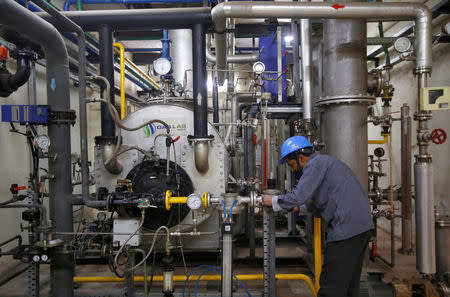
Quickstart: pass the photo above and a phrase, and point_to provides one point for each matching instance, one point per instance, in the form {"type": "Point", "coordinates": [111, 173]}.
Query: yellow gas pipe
{"type": "Point", "coordinates": [181, 200]}
{"type": "Point", "coordinates": [383, 141]}
{"type": "Point", "coordinates": [129, 62]}
{"type": "Point", "coordinates": [182, 278]}
{"type": "Point", "coordinates": [122, 79]}
{"type": "Point", "coordinates": [317, 252]}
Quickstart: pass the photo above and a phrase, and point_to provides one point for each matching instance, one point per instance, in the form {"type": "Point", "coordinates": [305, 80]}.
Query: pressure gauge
{"type": "Point", "coordinates": [36, 258]}
{"type": "Point", "coordinates": [42, 142]}
{"type": "Point", "coordinates": [402, 44]}
{"type": "Point", "coordinates": [194, 201]}
{"type": "Point", "coordinates": [44, 258]}
{"type": "Point", "coordinates": [101, 216]}
{"type": "Point", "coordinates": [259, 67]}
{"type": "Point", "coordinates": [162, 66]}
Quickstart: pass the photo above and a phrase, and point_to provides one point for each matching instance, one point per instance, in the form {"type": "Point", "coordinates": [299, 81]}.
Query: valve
{"type": "Point", "coordinates": [438, 136]}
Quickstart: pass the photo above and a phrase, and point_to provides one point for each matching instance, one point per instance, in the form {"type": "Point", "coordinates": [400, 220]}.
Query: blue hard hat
{"type": "Point", "coordinates": [293, 144]}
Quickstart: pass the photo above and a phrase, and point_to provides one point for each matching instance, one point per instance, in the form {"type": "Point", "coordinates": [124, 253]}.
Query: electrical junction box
{"type": "Point", "coordinates": [25, 114]}
{"type": "Point", "coordinates": [435, 98]}
{"type": "Point", "coordinates": [128, 226]}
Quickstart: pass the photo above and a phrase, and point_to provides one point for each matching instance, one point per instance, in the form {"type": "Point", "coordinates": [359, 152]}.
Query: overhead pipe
{"type": "Point", "coordinates": [137, 19]}
{"type": "Point", "coordinates": [68, 3]}
{"type": "Point", "coordinates": [235, 59]}
{"type": "Point", "coordinates": [58, 97]}
{"type": "Point", "coordinates": [329, 10]}
{"type": "Point", "coordinates": [296, 57]}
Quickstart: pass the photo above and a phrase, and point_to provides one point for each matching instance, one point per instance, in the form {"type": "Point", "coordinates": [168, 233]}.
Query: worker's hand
{"type": "Point", "coordinates": [296, 209]}
{"type": "Point", "coordinates": [267, 200]}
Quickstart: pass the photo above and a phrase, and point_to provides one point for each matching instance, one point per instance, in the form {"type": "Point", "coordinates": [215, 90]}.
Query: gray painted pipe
{"type": "Point", "coordinates": [406, 180]}
{"type": "Point", "coordinates": [137, 19]}
{"type": "Point", "coordinates": [235, 100]}
{"type": "Point", "coordinates": [329, 10]}
{"type": "Point", "coordinates": [58, 97]}
{"type": "Point", "coordinates": [73, 27]}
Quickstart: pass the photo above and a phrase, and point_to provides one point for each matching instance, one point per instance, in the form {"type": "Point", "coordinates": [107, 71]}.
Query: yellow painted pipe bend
{"type": "Point", "coordinates": [383, 141]}
{"type": "Point", "coordinates": [182, 278]}
{"type": "Point", "coordinates": [122, 79]}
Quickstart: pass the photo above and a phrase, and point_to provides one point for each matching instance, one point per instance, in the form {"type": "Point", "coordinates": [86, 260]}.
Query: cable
{"type": "Point", "coordinates": [187, 278]}
{"type": "Point", "coordinates": [200, 276]}
{"type": "Point", "coordinates": [224, 211]}
{"type": "Point", "coordinates": [242, 284]}
{"type": "Point", "coordinates": [231, 209]}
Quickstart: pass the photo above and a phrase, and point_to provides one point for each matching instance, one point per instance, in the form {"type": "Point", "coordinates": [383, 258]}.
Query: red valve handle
{"type": "Point", "coordinates": [438, 136]}
{"type": "Point", "coordinates": [176, 139]}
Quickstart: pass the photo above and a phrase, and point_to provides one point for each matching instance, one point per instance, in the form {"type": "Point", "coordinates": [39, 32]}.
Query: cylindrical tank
{"type": "Point", "coordinates": [181, 53]}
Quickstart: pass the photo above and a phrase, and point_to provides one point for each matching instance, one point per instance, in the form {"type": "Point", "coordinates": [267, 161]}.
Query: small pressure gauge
{"type": "Point", "coordinates": [259, 67]}
{"type": "Point", "coordinates": [162, 66]}
{"type": "Point", "coordinates": [44, 258]}
{"type": "Point", "coordinates": [36, 258]}
{"type": "Point", "coordinates": [402, 44]}
{"type": "Point", "coordinates": [42, 142]}
{"type": "Point", "coordinates": [194, 201]}
{"type": "Point", "coordinates": [101, 216]}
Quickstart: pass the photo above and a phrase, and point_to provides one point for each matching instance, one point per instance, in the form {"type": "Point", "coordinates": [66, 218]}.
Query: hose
{"type": "Point", "coordinates": [115, 114]}
{"type": "Point", "coordinates": [231, 209]}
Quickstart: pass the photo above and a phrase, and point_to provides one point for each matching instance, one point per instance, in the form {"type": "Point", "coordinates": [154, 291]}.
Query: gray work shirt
{"type": "Point", "coordinates": [331, 191]}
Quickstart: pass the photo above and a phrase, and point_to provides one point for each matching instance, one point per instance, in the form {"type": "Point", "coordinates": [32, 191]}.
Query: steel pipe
{"type": "Point", "coordinates": [307, 67]}
{"type": "Point", "coordinates": [328, 10]}
{"type": "Point", "coordinates": [181, 53]}
{"type": "Point", "coordinates": [425, 231]}
{"type": "Point", "coordinates": [235, 59]}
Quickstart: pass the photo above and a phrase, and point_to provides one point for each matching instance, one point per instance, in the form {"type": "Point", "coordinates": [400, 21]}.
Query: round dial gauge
{"type": "Point", "coordinates": [194, 201]}
{"type": "Point", "coordinates": [402, 44]}
{"type": "Point", "coordinates": [42, 142]}
{"type": "Point", "coordinates": [44, 258]}
{"type": "Point", "coordinates": [162, 66]}
{"type": "Point", "coordinates": [259, 67]}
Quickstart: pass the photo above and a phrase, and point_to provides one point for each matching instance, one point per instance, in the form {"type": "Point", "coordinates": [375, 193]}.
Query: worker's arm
{"type": "Point", "coordinates": [312, 178]}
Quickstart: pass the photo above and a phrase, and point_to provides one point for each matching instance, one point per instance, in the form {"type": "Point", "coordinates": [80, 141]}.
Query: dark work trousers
{"type": "Point", "coordinates": [341, 270]}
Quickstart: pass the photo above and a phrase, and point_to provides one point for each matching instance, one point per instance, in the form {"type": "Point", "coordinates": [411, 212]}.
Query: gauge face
{"type": "Point", "coordinates": [42, 142]}
{"type": "Point", "coordinates": [162, 66]}
{"type": "Point", "coordinates": [194, 201]}
{"type": "Point", "coordinates": [44, 258]}
{"type": "Point", "coordinates": [259, 67]}
{"type": "Point", "coordinates": [101, 216]}
{"type": "Point", "coordinates": [402, 44]}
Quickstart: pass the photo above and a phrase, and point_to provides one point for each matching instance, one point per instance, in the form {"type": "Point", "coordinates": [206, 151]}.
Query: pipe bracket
{"type": "Point", "coordinates": [357, 99]}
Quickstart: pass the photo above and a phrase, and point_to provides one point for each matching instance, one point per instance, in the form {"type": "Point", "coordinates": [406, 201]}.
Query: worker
{"type": "Point", "coordinates": [329, 190]}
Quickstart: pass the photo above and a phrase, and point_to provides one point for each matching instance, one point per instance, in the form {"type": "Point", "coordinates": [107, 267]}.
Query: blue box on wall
{"type": "Point", "coordinates": [25, 114]}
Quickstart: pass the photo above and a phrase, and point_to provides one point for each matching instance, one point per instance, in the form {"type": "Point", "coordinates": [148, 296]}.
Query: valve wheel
{"type": "Point", "coordinates": [438, 136]}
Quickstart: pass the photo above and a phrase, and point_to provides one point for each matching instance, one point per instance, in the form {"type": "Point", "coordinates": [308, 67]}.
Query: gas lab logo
{"type": "Point", "coordinates": [157, 128]}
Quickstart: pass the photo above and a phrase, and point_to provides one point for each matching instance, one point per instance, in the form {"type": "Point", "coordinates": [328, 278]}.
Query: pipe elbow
{"type": "Point", "coordinates": [218, 17]}
{"type": "Point", "coordinates": [112, 165]}
{"type": "Point", "coordinates": [201, 156]}
{"type": "Point", "coordinates": [22, 73]}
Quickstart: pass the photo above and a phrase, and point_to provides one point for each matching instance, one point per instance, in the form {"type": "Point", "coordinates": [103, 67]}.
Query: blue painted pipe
{"type": "Point", "coordinates": [165, 53]}
{"type": "Point", "coordinates": [73, 2]}
{"type": "Point", "coordinates": [73, 38]}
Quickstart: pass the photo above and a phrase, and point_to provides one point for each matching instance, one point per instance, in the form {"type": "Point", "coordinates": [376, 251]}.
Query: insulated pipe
{"type": "Point", "coordinates": [107, 70]}
{"type": "Point", "coordinates": [58, 97]}
{"type": "Point", "coordinates": [307, 67]}
{"type": "Point", "coordinates": [73, 2]}
{"type": "Point", "coordinates": [137, 19]}
{"type": "Point", "coordinates": [181, 53]}
{"type": "Point", "coordinates": [329, 10]}
{"type": "Point", "coordinates": [11, 82]}
{"type": "Point", "coordinates": [425, 231]}
{"type": "Point", "coordinates": [215, 100]}
{"type": "Point", "coordinates": [236, 59]}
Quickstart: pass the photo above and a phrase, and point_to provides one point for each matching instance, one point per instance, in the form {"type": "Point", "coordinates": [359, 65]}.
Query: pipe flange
{"type": "Point", "coordinates": [192, 139]}
{"type": "Point", "coordinates": [422, 116]}
{"type": "Point", "coordinates": [426, 158]}
{"type": "Point", "coordinates": [358, 99]}
{"type": "Point", "coordinates": [105, 140]}
{"type": "Point", "coordinates": [24, 54]}
{"type": "Point", "coordinates": [420, 70]}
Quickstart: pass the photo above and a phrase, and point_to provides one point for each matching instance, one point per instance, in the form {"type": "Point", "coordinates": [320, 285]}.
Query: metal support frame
{"type": "Point", "coordinates": [270, 288]}
{"type": "Point", "coordinates": [33, 279]}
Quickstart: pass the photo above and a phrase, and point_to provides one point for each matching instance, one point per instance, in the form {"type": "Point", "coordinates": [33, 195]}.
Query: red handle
{"type": "Point", "coordinates": [438, 136]}
{"type": "Point", "coordinates": [20, 188]}
{"type": "Point", "coordinates": [176, 139]}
